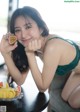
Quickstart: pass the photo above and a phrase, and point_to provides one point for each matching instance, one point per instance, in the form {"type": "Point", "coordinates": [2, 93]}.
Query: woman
{"type": "Point", "coordinates": [59, 56]}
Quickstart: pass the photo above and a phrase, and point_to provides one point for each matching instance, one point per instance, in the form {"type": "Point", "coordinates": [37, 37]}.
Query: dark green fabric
{"type": "Point", "coordinates": [62, 70]}
{"type": "Point", "coordinates": [52, 111]}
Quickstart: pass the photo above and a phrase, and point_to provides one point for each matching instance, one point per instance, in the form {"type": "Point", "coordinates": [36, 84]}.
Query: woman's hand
{"type": "Point", "coordinates": [5, 47]}
{"type": "Point", "coordinates": [33, 46]}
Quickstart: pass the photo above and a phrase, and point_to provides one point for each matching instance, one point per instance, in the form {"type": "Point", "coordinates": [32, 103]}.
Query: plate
{"type": "Point", "coordinates": [19, 95]}
{"type": "Point", "coordinates": [12, 99]}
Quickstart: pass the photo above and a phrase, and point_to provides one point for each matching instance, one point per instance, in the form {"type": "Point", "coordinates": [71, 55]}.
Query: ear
{"type": "Point", "coordinates": [41, 31]}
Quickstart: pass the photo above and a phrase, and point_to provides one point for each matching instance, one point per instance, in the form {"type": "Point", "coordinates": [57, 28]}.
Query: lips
{"type": "Point", "coordinates": [26, 41]}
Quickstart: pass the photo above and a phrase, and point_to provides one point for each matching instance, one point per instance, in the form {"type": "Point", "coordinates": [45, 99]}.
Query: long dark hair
{"type": "Point", "coordinates": [19, 56]}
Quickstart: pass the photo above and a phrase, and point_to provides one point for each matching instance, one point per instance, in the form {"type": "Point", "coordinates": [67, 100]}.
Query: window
{"type": "Point", "coordinates": [3, 21]}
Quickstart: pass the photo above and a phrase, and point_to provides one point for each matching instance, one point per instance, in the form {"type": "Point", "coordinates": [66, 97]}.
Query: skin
{"type": "Point", "coordinates": [29, 35]}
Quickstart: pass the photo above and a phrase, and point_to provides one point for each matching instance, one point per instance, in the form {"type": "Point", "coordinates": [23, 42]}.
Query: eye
{"type": "Point", "coordinates": [17, 30]}
{"type": "Point", "coordinates": [27, 26]}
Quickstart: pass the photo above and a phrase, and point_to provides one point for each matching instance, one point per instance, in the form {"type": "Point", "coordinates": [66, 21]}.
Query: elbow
{"type": "Point", "coordinates": [42, 86]}
{"type": "Point", "coordinates": [19, 82]}
{"type": "Point", "coordinates": [42, 89]}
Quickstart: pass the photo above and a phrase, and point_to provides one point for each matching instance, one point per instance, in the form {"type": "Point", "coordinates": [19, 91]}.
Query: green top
{"type": "Point", "coordinates": [64, 69]}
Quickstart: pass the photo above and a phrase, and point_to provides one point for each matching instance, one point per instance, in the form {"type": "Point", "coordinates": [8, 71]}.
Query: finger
{"type": "Point", "coordinates": [11, 48]}
{"type": "Point", "coordinates": [30, 46]}
{"type": "Point", "coordinates": [39, 44]}
{"type": "Point", "coordinates": [26, 49]}
{"type": "Point", "coordinates": [5, 37]}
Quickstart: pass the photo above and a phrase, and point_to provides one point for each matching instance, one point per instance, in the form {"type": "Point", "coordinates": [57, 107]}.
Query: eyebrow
{"type": "Point", "coordinates": [27, 24]}
{"type": "Point", "coordinates": [23, 25]}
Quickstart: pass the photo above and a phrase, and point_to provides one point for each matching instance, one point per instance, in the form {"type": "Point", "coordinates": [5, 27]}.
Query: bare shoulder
{"type": "Point", "coordinates": [52, 53]}
{"type": "Point", "coordinates": [53, 50]}
{"type": "Point", "coordinates": [54, 44]}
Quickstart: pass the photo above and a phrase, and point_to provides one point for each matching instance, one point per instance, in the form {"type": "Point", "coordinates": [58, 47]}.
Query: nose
{"type": "Point", "coordinates": [23, 33]}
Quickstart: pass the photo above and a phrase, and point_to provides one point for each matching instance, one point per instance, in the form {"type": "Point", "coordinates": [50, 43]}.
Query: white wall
{"type": "Point", "coordinates": [59, 15]}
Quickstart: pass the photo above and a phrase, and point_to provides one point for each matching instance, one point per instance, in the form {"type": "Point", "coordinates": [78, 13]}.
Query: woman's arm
{"type": "Point", "coordinates": [18, 77]}
{"type": "Point", "coordinates": [50, 62]}
{"type": "Point", "coordinates": [13, 70]}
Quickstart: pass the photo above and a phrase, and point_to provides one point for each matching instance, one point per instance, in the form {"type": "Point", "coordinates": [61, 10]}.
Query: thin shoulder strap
{"type": "Point", "coordinates": [54, 37]}
{"type": "Point", "coordinates": [67, 40]}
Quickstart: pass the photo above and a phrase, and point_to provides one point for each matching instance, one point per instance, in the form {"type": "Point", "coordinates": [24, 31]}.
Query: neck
{"type": "Point", "coordinates": [43, 40]}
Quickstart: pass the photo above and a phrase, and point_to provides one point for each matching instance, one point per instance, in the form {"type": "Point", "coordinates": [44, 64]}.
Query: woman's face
{"type": "Point", "coordinates": [26, 30]}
